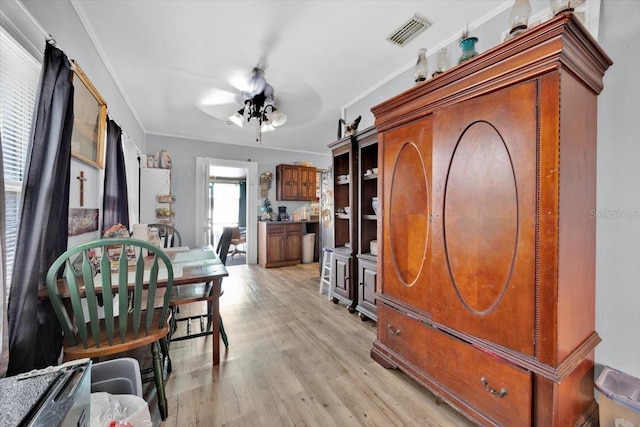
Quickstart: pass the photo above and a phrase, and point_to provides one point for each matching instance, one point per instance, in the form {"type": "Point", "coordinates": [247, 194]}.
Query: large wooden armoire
{"type": "Point", "coordinates": [487, 183]}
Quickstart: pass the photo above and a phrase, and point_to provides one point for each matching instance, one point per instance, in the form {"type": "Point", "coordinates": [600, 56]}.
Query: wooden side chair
{"type": "Point", "coordinates": [189, 294]}
{"type": "Point", "coordinates": [169, 236]}
{"type": "Point", "coordinates": [98, 316]}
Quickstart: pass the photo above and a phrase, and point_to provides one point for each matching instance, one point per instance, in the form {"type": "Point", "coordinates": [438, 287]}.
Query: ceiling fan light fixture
{"type": "Point", "coordinates": [237, 118]}
{"type": "Point", "coordinates": [266, 126]}
{"type": "Point", "coordinates": [259, 101]}
{"type": "Point", "coordinates": [278, 118]}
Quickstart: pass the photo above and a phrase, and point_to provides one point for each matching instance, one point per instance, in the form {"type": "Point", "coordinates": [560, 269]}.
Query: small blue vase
{"type": "Point", "coordinates": [468, 46]}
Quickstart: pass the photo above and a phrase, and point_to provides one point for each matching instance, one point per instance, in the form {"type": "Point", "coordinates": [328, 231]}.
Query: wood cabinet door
{"type": "Point", "coordinates": [367, 273]}
{"type": "Point", "coordinates": [342, 275]}
{"type": "Point", "coordinates": [405, 175]}
{"type": "Point", "coordinates": [484, 208]}
{"type": "Point", "coordinates": [288, 182]}
{"type": "Point", "coordinates": [307, 183]}
{"type": "Point", "coordinates": [276, 244]}
{"type": "Point", "coordinates": [294, 242]}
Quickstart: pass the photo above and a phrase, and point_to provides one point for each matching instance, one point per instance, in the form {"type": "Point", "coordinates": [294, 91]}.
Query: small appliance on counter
{"type": "Point", "coordinates": [282, 213]}
{"type": "Point", "coordinates": [54, 396]}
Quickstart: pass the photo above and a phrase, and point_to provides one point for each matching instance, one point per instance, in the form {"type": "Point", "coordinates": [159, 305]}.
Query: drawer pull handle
{"type": "Point", "coordinates": [391, 331]}
{"type": "Point", "coordinates": [502, 393]}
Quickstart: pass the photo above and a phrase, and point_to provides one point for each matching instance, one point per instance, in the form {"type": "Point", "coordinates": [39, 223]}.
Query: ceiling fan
{"type": "Point", "coordinates": [259, 99]}
{"type": "Point", "coordinates": [241, 95]}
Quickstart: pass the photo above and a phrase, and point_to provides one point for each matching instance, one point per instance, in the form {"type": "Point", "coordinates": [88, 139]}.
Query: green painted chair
{"type": "Point", "coordinates": [90, 305]}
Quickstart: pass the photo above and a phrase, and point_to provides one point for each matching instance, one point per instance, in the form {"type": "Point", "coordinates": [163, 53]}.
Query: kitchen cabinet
{"type": "Point", "coordinates": [279, 243]}
{"type": "Point", "coordinates": [486, 287]}
{"type": "Point", "coordinates": [295, 182]}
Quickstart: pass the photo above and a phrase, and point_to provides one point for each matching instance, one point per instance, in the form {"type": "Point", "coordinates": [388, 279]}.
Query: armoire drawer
{"type": "Point", "coordinates": [403, 335]}
{"type": "Point", "coordinates": [493, 387]}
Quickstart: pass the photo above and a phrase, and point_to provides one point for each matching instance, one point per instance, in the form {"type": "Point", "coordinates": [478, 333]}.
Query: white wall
{"type": "Point", "coordinates": [618, 231]}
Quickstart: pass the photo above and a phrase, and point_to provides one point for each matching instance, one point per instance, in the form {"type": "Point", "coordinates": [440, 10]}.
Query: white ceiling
{"type": "Point", "coordinates": [170, 58]}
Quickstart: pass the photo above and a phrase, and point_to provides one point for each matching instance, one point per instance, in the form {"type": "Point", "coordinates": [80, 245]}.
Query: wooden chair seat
{"type": "Point", "coordinates": [78, 351]}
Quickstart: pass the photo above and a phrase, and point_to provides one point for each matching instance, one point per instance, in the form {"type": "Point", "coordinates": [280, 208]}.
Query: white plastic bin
{"type": "Point", "coordinates": [117, 376]}
{"type": "Point", "coordinates": [619, 400]}
{"type": "Point", "coordinates": [308, 246]}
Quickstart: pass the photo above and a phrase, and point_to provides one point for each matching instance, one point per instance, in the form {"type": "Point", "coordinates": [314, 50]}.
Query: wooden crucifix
{"type": "Point", "coordinates": [82, 179]}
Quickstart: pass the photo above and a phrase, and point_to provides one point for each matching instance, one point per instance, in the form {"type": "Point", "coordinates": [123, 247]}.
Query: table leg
{"type": "Point", "coordinates": [215, 318]}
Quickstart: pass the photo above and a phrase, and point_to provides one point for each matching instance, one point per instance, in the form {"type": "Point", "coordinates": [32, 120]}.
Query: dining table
{"type": "Point", "coordinates": [191, 266]}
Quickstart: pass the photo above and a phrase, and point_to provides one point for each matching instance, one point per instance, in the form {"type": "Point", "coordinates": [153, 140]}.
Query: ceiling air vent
{"type": "Point", "coordinates": [409, 30]}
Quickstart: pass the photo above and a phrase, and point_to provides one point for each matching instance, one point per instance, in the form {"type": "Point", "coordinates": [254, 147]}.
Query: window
{"type": "Point", "coordinates": [19, 76]}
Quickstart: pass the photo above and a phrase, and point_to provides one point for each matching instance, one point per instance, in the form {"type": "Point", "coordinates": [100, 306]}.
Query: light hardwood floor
{"type": "Point", "coordinates": [295, 359]}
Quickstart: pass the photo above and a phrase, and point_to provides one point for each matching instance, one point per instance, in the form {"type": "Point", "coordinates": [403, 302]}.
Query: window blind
{"type": "Point", "coordinates": [19, 76]}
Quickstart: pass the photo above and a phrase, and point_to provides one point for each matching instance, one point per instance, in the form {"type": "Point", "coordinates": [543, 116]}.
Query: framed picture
{"type": "Point", "coordinates": [82, 221]}
{"type": "Point", "coordinates": [89, 122]}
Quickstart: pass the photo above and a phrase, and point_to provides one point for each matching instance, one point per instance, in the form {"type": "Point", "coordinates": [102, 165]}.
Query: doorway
{"type": "Point", "coordinates": [227, 198]}
{"type": "Point", "coordinates": [205, 230]}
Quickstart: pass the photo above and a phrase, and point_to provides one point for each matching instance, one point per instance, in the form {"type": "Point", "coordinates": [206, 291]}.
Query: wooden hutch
{"type": "Point", "coordinates": [487, 176]}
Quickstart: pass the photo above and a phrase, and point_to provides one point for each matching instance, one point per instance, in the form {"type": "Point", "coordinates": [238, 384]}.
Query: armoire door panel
{"type": "Point", "coordinates": [480, 218]}
{"type": "Point", "coordinates": [406, 225]}
{"type": "Point", "coordinates": [484, 207]}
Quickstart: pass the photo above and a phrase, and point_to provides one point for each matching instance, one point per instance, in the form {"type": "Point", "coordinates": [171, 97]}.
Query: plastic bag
{"type": "Point", "coordinates": [121, 408]}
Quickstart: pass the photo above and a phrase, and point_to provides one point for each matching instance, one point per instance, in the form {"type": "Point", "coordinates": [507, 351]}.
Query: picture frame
{"type": "Point", "coordinates": [89, 122]}
{"type": "Point", "coordinates": [82, 220]}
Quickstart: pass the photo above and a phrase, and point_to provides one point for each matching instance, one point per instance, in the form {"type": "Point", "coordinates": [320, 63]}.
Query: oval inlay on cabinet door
{"type": "Point", "coordinates": [480, 218]}
{"type": "Point", "coordinates": [408, 212]}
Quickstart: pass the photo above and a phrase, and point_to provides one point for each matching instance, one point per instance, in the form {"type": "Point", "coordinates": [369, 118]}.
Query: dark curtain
{"type": "Point", "coordinates": [115, 205]}
{"type": "Point", "coordinates": [4, 325]}
{"type": "Point", "coordinates": [242, 211]}
{"type": "Point", "coordinates": [35, 337]}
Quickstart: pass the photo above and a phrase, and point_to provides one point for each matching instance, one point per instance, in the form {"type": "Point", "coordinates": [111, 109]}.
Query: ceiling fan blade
{"type": "Point", "coordinates": [220, 97]}
{"type": "Point", "coordinates": [221, 111]}
{"type": "Point", "coordinates": [239, 80]}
